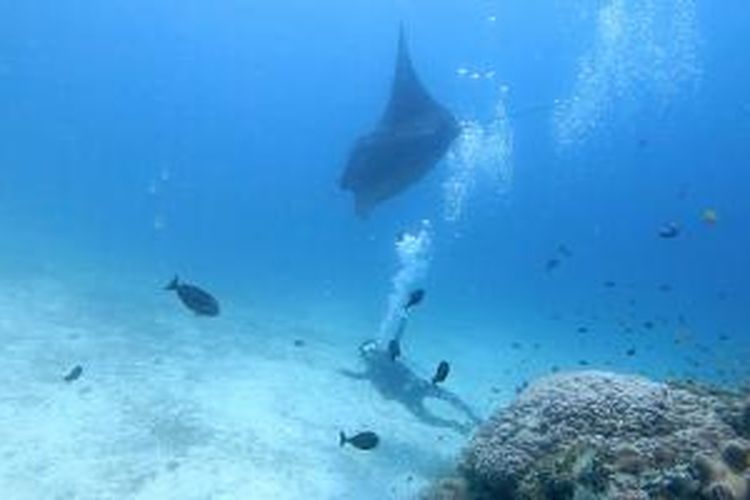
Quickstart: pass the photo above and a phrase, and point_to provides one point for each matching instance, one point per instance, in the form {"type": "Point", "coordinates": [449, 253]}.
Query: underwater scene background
{"type": "Point", "coordinates": [592, 215]}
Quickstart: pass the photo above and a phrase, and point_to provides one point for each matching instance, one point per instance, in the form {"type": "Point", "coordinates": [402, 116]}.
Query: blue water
{"type": "Point", "coordinates": [141, 139]}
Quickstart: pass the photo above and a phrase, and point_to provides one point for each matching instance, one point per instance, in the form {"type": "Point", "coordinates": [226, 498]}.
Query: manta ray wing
{"type": "Point", "coordinates": [413, 134]}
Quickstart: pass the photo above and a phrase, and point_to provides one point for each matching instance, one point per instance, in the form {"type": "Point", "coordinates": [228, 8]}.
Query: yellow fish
{"type": "Point", "coordinates": [710, 216]}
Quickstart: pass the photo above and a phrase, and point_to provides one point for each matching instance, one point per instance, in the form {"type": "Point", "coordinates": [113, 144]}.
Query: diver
{"type": "Point", "coordinates": [394, 380]}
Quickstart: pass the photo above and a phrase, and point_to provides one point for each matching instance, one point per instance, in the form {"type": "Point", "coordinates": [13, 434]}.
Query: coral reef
{"type": "Point", "coordinates": [725, 477]}
{"type": "Point", "coordinates": [591, 434]}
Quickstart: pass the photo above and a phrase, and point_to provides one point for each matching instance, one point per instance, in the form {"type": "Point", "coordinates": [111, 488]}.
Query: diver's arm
{"type": "Point", "coordinates": [401, 327]}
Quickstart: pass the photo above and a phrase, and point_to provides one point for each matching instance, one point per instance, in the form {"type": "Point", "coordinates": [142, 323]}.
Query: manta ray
{"type": "Point", "coordinates": [411, 137]}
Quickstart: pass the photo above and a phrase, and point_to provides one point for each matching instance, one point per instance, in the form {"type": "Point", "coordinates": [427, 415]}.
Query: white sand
{"type": "Point", "coordinates": [173, 406]}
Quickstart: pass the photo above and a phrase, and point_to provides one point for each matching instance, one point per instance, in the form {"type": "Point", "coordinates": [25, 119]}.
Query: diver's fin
{"type": "Point", "coordinates": [342, 438]}
{"type": "Point", "coordinates": [173, 284]}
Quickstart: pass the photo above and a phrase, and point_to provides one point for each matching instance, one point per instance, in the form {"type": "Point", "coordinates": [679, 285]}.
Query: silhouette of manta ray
{"type": "Point", "coordinates": [412, 136]}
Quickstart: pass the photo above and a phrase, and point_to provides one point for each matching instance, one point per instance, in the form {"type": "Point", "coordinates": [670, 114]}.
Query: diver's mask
{"type": "Point", "coordinates": [368, 348]}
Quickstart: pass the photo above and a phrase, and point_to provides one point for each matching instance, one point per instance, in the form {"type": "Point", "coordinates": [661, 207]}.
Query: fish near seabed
{"type": "Point", "coordinates": [362, 441]}
{"type": "Point", "coordinates": [413, 134]}
{"type": "Point", "coordinates": [194, 298]}
{"type": "Point", "coordinates": [74, 374]}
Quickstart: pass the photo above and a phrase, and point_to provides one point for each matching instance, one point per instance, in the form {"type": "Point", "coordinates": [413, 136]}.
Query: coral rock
{"type": "Point", "coordinates": [637, 433]}
{"type": "Point", "coordinates": [719, 479]}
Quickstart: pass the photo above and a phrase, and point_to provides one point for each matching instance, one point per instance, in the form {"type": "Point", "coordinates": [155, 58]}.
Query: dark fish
{"type": "Point", "coordinates": [610, 284]}
{"type": "Point", "coordinates": [583, 362]}
{"type": "Point", "coordinates": [648, 325]}
{"type": "Point", "coordinates": [74, 374]}
{"type": "Point", "coordinates": [555, 369]}
{"type": "Point", "coordinates": [552, 264]}
{"type": "Point", "coordinates": [394, 349]}
{"type": "Point", "coordinates": [415, 298]}
{"type": "Point", "coordinates": [664, 287]}
{"type": "Point", "coordinates": [582, 329]}
{"type": "Point", "coordinates": [522, 386]}
{"type": "Point", "coordinates": [363, 441]}
{"type": "Point", "coordinates": [515, 345]}
{"type": "Point", "coordinates": [299, 343]}
{"type": "Point", "coordinates": [441, 373]}
{"type": "Point", "coordinates": [564, 251]}
{"type": "Point", "coordinates": [197, 300]}
{"type": "Point", "coordinates": [669, 230]}
{"type": "Point", "coordinates": [630, 352]}
{"type": "Point", "coordinates": [413, 134]}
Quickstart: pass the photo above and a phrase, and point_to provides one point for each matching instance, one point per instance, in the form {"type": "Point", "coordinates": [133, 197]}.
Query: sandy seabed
{"type": "Point", "coordinates": [174, 406]}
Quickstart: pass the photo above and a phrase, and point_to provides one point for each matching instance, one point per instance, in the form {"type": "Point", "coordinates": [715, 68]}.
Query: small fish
{"type": "Point", "coordinates": [669, 230]}
{"type": "Point", "coordinates": [582, 329]}
{"type": "Point", "coordinates": [441, 373]}
{"type": "Point", "coordinates": [630, 352]}
{"type": "Point", "coordinates": [563, 250]}
{"type": "Point", "coordinates": [299, 343]}
{"type": "Point", "coordinates": [648, 325]}
{"type": "Point", "coordinates": [522, 386]}
{"type": "Point", "coordinates": [394, 349]}
{"type": "Point", "coordinates": [583, 362]}
{"type": "Point", "coordinates": [74, 374]}
{"type": "Point", "coordinates": [665, 287]}
{"type": "Point", "coordinates": [363, 441]}
{"type": "Point", "coordinates": [610, 284]}
{"type": "Point", "coordinates": [415, 298]}
{"type": "Point", "coordinates": [710, 216]}
{"type": "Point", "coordinates": [555, 369]}
{"type": "Point", "coordinates": [515, 345]}
{"type": "Point", "coordinates": [552, 264]}
{"type": "Point", "coordinates": [197, 300]}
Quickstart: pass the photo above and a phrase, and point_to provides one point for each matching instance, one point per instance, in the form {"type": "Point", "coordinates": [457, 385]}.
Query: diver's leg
{"type": "Point", "coordinates": [401, 327]}
{"type": "Point", "coordinates": [455, 401]}
{"type": "Point", "coordinates": [419, 411]}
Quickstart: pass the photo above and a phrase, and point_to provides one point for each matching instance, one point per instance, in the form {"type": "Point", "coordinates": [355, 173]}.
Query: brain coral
{"type": "Point", "coordinates": [615, 435]}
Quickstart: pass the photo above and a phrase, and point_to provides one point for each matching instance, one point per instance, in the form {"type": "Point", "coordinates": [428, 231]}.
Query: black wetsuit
{"type": "Point", "coordinates": [396, 381]}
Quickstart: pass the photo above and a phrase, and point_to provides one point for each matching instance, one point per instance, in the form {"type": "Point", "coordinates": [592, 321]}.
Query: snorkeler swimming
{"type": "Point", "coordinates": [396, 381]}
{"type": "Point", "coordinates": [393, 379]}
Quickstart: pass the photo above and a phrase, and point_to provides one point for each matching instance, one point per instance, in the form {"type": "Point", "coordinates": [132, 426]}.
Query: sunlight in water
{"type": "Point", "coordinates": [481, 156]}
{"type": "Point", "coordinates": [641, 47]}
{"type": "Point", "coordinates": [414, 252]}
